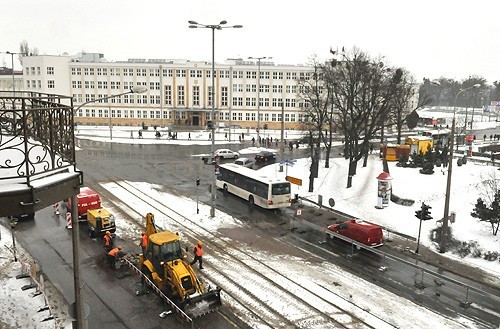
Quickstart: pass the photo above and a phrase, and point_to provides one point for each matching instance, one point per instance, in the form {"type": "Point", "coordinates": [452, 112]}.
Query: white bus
{"type": "Point", "coordinates": [253, 186]}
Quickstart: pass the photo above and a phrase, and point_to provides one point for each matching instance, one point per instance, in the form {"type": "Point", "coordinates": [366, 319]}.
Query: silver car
{"type": "Point", "coordinates": [245, 162]}
{"type": "Point", "coordinates": [226, 154]}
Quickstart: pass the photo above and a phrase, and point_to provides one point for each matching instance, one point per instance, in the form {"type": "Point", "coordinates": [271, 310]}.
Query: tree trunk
{"type": "Point", "coordinates": [350, 172]}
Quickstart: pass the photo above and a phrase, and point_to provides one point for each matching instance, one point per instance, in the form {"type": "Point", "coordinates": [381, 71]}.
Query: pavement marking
{"type": "Point", "coordinates": [487, 310]}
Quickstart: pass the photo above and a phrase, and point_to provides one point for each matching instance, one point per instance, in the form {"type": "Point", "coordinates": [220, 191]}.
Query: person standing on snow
{"type": "Point", "coordinates": [198, 255]}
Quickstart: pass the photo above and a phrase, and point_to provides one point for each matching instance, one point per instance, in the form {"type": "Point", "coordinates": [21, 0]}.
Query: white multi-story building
{"type": "Point", "coordinates": [179, 91]}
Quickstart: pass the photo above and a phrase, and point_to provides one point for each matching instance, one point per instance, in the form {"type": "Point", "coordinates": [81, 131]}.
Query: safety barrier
{"type": "Point", "coordinates": [28, 270]}
{"type": "Point", "coordinates": [56, 209]}
{"type": "Point", "coordinates": [180, 313]}
{"type": "Point", "coordinates": [69, 225]}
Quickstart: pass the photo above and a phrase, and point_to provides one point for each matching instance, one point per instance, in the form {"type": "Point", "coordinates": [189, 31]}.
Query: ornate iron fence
{"type": "Point", "coordinates": [36, 135]}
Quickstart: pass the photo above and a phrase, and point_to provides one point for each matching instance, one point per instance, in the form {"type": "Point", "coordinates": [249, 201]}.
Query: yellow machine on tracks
{"type": "Point", "coordinates": [164, 264]}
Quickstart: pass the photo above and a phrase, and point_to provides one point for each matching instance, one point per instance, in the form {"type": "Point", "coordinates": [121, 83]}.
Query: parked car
{"type": "Point", "coordinates": [359, 230]}
{"type": "Point", "coordinates": [226, 154]}
{"type": "Point", "coordinates": [245, 162]}
{"type": "Point", "coordinates": [265, 156]}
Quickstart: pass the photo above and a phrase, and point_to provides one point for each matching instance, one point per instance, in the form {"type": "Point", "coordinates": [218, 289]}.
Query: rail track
{"type": "Point", "coordinates": [259, 292]}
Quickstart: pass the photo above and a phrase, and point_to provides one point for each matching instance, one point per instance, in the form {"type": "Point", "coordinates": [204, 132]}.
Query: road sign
{"type": "Point", "coordinates": [293, 180]}
{"type": "Point", "coordinates": [298, 212]}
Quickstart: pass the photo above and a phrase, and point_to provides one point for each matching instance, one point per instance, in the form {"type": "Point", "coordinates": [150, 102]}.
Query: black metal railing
{"type": "Point", "coordinates": [36, 135]}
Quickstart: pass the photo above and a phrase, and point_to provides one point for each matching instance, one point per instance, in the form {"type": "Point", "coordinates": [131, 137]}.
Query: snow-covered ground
{"type": "Point", "coordinates": [359, 200]}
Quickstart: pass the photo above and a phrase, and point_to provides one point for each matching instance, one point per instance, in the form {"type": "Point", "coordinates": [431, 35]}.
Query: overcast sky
{"type": "Point", "coordinates": [449, 38]}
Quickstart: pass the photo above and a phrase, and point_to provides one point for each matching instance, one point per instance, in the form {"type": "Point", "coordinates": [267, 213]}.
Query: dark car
{"type": "Point", "coordinates": [265, 156]}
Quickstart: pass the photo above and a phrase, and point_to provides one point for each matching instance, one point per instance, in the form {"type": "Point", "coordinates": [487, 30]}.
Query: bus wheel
{"type": "Point", "coordinates": [225, 190]}
{"type": "Point", "coordinates": [250, 201]}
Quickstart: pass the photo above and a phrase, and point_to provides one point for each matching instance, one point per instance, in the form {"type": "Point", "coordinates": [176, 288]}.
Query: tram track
{"type": "Point", "coordinates": [304, 307]}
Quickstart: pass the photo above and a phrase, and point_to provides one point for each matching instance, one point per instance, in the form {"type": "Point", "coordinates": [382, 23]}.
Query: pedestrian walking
{"type": "Point", "coordinates": [189, 136]}
{"type": "Point", "coordinates": [253, 141]}
{"type": "Point", "coordinates": [225, 136]}
{"type": "Point", "coordinates": [140, 134]}
{"type": "Point", "coordinates": [113, 255]}
{"type": "Point", "coordinates": [131, 135]}
{"type": "Point", "coordinates": [198, 255]}
{"type": "Point", "coordinates": [209, 136]}
{"type": "Point", "coordinates": [108, 241]}
{"type": "Point", "coordinates": [144, 243]}
{"type": "Point", "coordinates": [290, 145]}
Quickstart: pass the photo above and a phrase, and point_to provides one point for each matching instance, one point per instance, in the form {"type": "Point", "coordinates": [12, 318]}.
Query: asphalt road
{"type": "Point", "coordinates": [112, 298]}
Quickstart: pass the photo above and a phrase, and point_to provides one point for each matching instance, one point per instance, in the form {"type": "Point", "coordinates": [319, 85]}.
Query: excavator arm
{"type": "Point", "coordinates": [150, 224]}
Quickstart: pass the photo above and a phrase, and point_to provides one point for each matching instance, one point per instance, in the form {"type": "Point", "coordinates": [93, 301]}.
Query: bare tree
{"type": "Point", "coordinates": [407, 91]}
{"type": "Point", "coordinates": [362, 93]}
{"type": "Point", "coordinates": [25, 50]}
{"type": "Point", "coordinates": [315, 99]}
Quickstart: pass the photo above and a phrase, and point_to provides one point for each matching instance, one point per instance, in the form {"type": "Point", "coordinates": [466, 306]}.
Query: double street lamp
{"type": "Point", "coordinates": [220, 26]}
{"type": "Point", "coordinates": [444, 227]}
{"type": "Point", "coordinates": [258, 93]}
{"type": "Point", "coordinates": [78, 309]}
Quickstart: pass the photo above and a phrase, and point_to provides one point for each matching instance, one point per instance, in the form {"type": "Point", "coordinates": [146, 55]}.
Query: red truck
{"type": "Point", "coordinates": [359, 230]}
{"type": "Point", "coordinates": [87, 200]}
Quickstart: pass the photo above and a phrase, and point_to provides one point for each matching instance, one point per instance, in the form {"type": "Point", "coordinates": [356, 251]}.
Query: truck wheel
{"type": "Point", "coordinates": [225, 190]}
{"type": "Point", "coordinates": [91, 232]}
{"type": "Point", "coordinates": [251, 201]}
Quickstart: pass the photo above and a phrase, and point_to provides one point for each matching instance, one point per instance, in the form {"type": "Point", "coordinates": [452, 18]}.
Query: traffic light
{"type": "Point", "coordinates": [424, 213]}
{"type": "Point", "coordinates": [197, 182]}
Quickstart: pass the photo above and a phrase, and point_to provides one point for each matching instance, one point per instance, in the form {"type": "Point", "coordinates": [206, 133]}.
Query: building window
{"type": "Point", "coordinates": [50, 70]}
{"type": "Point", "coordinates": [277, 89]}
{"type": "Point", "coordinates": [180, 73]}
{"type": "Point", "coordinates": [224, 96]}
{"type": "Point", "coordinates": [180, 95]}
{"type": "Point", "coordinates": [168, 95]}
{"type": "Point", "coordinates": [238, 74]}
{"type": "Point", "coordinates": [209, 93]}
{"type": "Point", "coordinates": [196, 96]}
{"type": "Point", "coordinates": [168, 73]}
{"type": "Point", "coordinates": [251, 75]}
{"type": "Point", "coordinates": [237, 101]}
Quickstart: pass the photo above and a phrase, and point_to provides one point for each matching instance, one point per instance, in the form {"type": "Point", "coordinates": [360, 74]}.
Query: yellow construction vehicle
{"type": "Point", "coordinates": [164, 264]}
{"type": "Point", "coordinates": [99, 221]}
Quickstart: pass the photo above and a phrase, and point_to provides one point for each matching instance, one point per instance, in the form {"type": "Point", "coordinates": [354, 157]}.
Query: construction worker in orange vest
{"type": "Point", "coordinates": [108, 241]}
{"type": "Point", "coordinates": [198, 255]}
{"type": "Point", "coordinates": [144, 243]}
{"type": "Point", "coordinates": [112, 256]}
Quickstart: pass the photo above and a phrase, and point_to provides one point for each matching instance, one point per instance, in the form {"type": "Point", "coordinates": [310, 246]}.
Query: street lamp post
{"type": "Point", "coordinates": [258, 93]}
{"type": "Point", "coordinates": [78, 309]}
{"type": "Point", "coordinates": [220, 26]}
{"type": "Point", "coordinates": [444, 227]}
